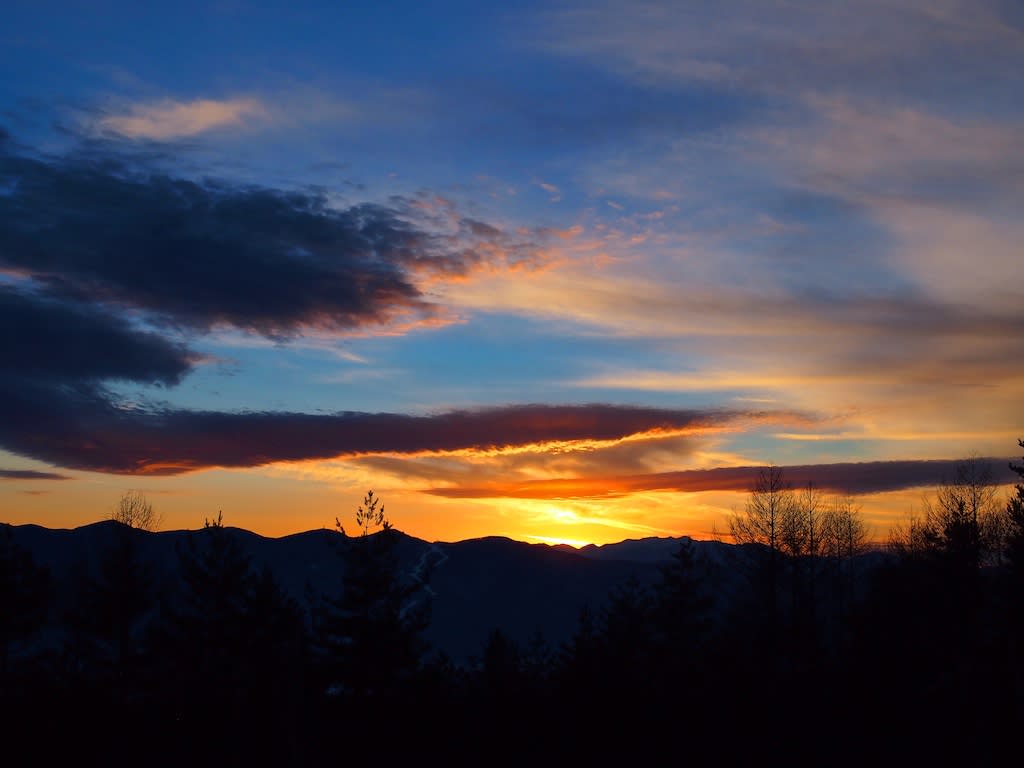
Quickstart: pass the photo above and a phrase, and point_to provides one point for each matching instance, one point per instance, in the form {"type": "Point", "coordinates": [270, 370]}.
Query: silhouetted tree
{"type": "Point", "coordinates": [501, 666]}
{"type": "Point", "coordinates": [958, 524]}
{"type": "Point", "coordinates": [802, 541]}
{"type": "Point", "coordinates": [134, 510]}
{"type": "Point", "coordinates": [930, 616]}
{"type": "Point", "coordinates": [1013, 515]}
{"type": "Point", "coordinates": [626, 633]}
{"type": "Point", "coordinates": [579, 660]}
{"type": "Point", "coordinates": [108, 666]}
{"type": "Point", "coordinates": [1014, 538]}
{"type": "Point", "coordinates": [371, 635]}
{"type": "Point", "coordinates": [24, 596]}
{"type": "Point", "coordinates": [768, 509]}
{"type": "Point", "coordinates": [844, 537]}
{"type": "Point", "coordinates": [233, 646]}
{"type": "Point", "coordinates": [31, 690]}
{"type": "Point", "coordinates": [769, 512]}
{"type": "Point", "coordinates": [681, 612]}
{"type": "Point", "coordinates": [537, 660]}
{"type": "Point", "coordinates": [113, 600]}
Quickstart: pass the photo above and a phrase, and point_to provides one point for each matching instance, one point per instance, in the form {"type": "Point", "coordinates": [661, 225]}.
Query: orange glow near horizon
{"type": "Point", "coordinates": [274, 506]}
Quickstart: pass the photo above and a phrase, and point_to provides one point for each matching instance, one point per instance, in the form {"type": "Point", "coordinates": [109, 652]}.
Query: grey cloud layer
{"type": "Point", "coordinates": [800, 45]}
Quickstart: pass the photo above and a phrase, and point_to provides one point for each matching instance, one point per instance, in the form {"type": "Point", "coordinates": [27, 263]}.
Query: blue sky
{"type": "Point", "coordinates": [791, 229]}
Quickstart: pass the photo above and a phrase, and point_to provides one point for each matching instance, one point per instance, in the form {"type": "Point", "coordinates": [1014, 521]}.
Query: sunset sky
{"type": "Point", "coordinates": [557, 271]}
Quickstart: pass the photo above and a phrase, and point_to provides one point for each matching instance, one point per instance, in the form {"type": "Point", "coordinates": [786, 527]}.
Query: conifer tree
{"type": "Point", "coordinates": [627, 623]}
{"type": "Point", "coordinates": [24, 596]}
{"type": "Point", "coordinates": [114, 602]}
{"type": "Point", "coordinates": [1015, 532]}
{"type": "Point", "coordinates": [370, 634]}
{"type": "Point", "coordinates": [1014, 550]}
{"type": "Point", "coordinates": [232, 649]}
{"type": "Point", "coordinates": [681, 611]}
{"type": "Point", "coordinates": [579, 658]}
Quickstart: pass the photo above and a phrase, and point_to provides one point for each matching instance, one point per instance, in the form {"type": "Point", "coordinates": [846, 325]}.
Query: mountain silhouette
{"type": "Point", "coordinates": [475, 586]}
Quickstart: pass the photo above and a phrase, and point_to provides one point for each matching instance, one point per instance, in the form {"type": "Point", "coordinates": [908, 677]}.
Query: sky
{"type": "Point", "coordinates": [564, 272]}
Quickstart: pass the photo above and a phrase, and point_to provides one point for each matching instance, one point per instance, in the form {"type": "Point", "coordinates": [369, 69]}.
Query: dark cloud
{"type": "Point", "coordinates": [54, 405]}
{"type": "Point", "coordinates": [853, 477]}
{"type": "Point", "coordinates": [57, 355]}
{"type": "Point", "coordinates": [71, 343]}
{"type": "Point", "coordinates": [30, 474]}
{"type": "Point", "coordinates": [200, 255]}
{"type": "Point", "coordinates": [99, 249]}
{"type": "Point", "coordinates": [84, 430]}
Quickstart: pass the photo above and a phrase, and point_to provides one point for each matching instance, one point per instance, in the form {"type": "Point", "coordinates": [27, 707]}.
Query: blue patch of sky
{"type": "Point", "coordinates": [193, 45]}
{"type": "Point", "coordinates": [498, 358]}
{"type": "Point", "coordinates": [763, 445]}
{"type": "Point", "coordinates": [832, 246]}
{"type": "Point", "coordinates": [495, 359]}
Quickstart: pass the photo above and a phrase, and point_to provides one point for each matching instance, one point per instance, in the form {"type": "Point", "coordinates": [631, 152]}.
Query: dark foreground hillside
{"type": "Point", "coordinates": [219, 647]}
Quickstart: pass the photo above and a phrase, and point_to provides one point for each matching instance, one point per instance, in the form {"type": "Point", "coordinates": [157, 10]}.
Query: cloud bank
{"type": "Point", "coordinates": [81, 429]}
{"type": "Point", "coordinates": [849, 477]}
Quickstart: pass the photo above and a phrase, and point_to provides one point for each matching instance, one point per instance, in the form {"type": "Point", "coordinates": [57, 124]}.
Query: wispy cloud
{"type": "Point", "coordinates": [888, 132]}
{"type": "Point", "coordinates": [861, 147]}
{"type": "Point", "coordinates": [791, 47]}
{"type": "Point", "coordinates": [554, 193]}
{"type": "Point", "coordinates": [30, 474]}
{"type": "Point", "coordinates": [169, 119]}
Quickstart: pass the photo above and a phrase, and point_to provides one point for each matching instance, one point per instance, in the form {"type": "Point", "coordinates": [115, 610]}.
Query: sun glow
{"type": "Point", "coordinates": [554, 540]}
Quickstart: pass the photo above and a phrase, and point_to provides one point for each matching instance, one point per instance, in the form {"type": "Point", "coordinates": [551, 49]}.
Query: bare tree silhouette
{"type": "Point", "coordinates": [135, 510]}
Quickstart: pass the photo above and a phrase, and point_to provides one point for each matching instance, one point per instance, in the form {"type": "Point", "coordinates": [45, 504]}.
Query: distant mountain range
{"type": "Point", "coordinates": [475, 586]}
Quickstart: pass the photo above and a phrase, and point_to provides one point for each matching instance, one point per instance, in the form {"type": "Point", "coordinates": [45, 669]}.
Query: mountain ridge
{"type": "Point", "coordinates": [476, 585]}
